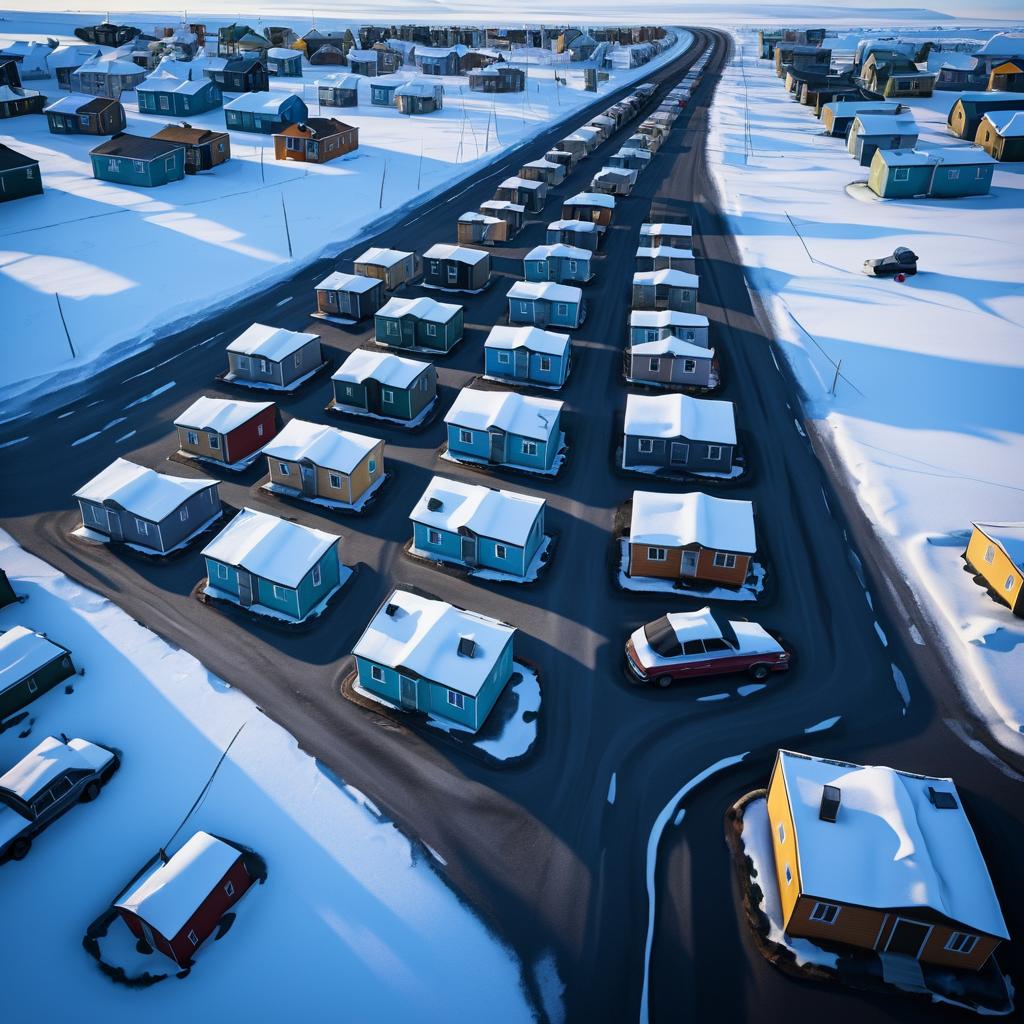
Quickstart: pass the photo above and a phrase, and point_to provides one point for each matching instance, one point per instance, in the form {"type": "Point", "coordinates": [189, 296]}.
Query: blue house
{"type": "Point", "coordinates": [439, 60]}
{"type": "Point", "coordinates": [284, 63]}
{"type": "Point", "coordinates": [273, 566]}
{"type": "Point", "coordinates": [503, 428]}
{"type": "Point", "coordinates": [558, 262]}
{"type": "Point", "coordinates": [527, 355]}
{"type": "Point", "coordinates": [135, 160]}
{"type": "Point", "coordinates": [478, 527]}
{"type": "Point", "coordinates": [264, 112]}
{"type": "Point", "coordinates": [382, 91]}
{"type": "Point", "coordinates": [544, 303]}
{"type": "Point", "coordinates": [177, 97]}
{"type": "Point", "coordinates": [421, 654]}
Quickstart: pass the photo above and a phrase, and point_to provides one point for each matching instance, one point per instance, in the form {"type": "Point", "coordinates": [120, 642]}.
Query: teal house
{"type": "Point", "coordinates": [478, 527]}
{"type": "Point", "coordinates": [264, 112]}
{"type": "Point", "coordinates": [382, 91]}
{"type": "Point", "coordinates": [946, 174]}
{"type": "Point", "coordinates": [273, 566]}
{"type": "Point", "coordinates": [527, 355]}
{"type": "Point", "coordinates": [422, 654]}
{"type": "Point", "coordinates": [419, 324]}
{"type": "Point", "coordinates": [504, 428]}
{"type": "Point", "coordinates": [135, 160]}
{"type": "Point", "coordinates": [163, 93]}
{"type": "Point", "coordinates": [30, 665]}
{"type": "Point", "coordinates": [565, 264]}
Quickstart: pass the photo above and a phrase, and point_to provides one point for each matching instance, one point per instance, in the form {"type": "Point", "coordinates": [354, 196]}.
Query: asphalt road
{"type": "Point", "coordinates": [538, 849]}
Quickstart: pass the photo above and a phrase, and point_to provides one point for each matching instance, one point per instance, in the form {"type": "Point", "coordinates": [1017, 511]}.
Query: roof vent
{"type": "Point", "coordinates": [435, 504]}
{"type": "Point", "coordinates": [829, 809]}
{"type": "Point", "coordinates": [392, 610]}
{"type": "Point", "coordinates": [942, 799]}
{"type": "Point", "coordinates": [467, 647]}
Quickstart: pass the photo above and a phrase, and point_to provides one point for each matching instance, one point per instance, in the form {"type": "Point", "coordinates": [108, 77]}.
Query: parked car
{"type": "Point", "coordinates": [687, 645]}
{"type": "Point", "coordinates": [902, 261]}
{"type": "Point", "coordinates": [45, 783]}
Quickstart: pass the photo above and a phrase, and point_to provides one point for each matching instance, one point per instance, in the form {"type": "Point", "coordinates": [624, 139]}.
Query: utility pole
{"type": "Point", "coordinates": [419, 169]}
{"type": "Point", "coordinates": [383, 175]}
{"type": "Point", "coordinates": [67, 333]}
{"type": "Point", "coordinates": [835, 379]}
{"type": "Point", "coordinates": [263, 173]}
{"type": "Point", "coordinates": [287, 231]}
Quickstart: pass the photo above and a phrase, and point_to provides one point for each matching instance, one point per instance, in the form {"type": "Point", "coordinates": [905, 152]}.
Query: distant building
{"type": "Point", "coordinates": [1001, 134]}
{"type": "Point", "coordinates": [315, 140]}
{"type": "Point", "coordinates": [76, 114]}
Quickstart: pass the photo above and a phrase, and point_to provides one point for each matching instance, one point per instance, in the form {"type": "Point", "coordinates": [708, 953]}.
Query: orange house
{"type": "Point", "coordinates": [996, 553]}
{"type": "Point", "coordinates": [315, 140]}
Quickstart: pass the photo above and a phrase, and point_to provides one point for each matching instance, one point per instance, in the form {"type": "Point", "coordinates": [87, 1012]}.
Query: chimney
{"type": "Point", "coordinates": [467, 647]}
{"type": "Point", "coordinates": [829, 809]}
{"type": "Point", "coordinates": [435, 504]}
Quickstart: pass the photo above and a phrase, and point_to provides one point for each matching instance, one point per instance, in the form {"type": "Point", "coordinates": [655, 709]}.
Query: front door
{"type": "Point", "coordinates": [907, 937]}
{"type": "Point", "coordinates": [690, 563]}
{"type": "Point", "coordinates": [679, 453]}
{"type": "Point", "coordinates": [522, 363]}
{"type": "Point", "coordinates": [313, 151]}
{"type": "Point", "coordinates": [244, 588]}
{"type": "Point", "coordinates": [407, 692]}
{"type": "Point", "coordinates": [308, 475]}
{"type": "Point", "coordinates": [496, 450]}
{"type": "Point", "coordinates": [372, 395]}
{"type": "Point", "coordinates": [114, 527]}
{"type": "Point", "coordinates": [469, 550]}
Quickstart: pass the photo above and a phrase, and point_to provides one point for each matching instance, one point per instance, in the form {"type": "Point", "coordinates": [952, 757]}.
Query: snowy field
{"type": "Point", "coordinates": [133, 264]}
{"type": "Point", "coordinates": [927, 416]}
{"type": "Point", "coordinates": [351, 915]}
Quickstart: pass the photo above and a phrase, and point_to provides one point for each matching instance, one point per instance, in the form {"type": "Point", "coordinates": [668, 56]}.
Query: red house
{"type": "Point", "coordinates": [223, 430]}
{"type": "Point", "coordinates": [176, 906]}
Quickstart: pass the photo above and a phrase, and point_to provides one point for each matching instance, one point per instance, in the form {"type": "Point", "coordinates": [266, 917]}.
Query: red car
{"type": "Point", "coordinates": [688, 645]}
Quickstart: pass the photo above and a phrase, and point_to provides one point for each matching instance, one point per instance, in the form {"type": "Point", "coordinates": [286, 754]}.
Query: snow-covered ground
{"type": "Point", "coordinates": [131, 264]}
{"type": "Point", "coordinates": [351, 915]}
{"type": "Point", "coordinates": [926, 417]}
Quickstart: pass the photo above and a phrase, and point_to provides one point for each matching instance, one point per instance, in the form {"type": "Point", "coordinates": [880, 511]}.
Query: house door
{"type": "Point", "coordinates": [372, 395]}
{"type": "Point", "coordinates": [469, 550]}
{"type": "Point", "coordinates": [191, 160]}
{"type": "Point", "coordinates": [245, 595]}
{"type": "Point", "coordinates": [679, 453]}
{"type": "Point", "coordinates": [313, 151]}
{"type": "Point", "coordinates": [907, 937]}
{"type": "Point", "coordinates": [114, 527]}
{"type": "Point", "coordinates": [689, 563]}
{"type": "Point", "coordinates": [496, 450]}
{"type": "Point", "coordinates": [407, 329]}
{"type": "Point", "coordinates": [521, 366]}
{"type": "Point", "coordinates": [407, 692]}
{"type": "Point", "coordinates": [308, 475]}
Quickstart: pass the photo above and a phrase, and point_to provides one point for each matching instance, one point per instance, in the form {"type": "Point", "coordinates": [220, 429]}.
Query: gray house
{"type": "Point", "coordinates": [676, 432]}
{"type": "Point", "coordinates": [511, 213]}
{"type": "Point", "coordinates": [613, 181]}
{"type": "Point", "coordinates": [146, 509]}
{"type": "Point", "coordinates": [582, 234]}
{"type": "Point", "coordinates": [529, 194]}
{"type": "Point", "coordinates": [665, 289]}
{"type": "Point", "coordinates": [870, 132]}
{"type": "Point", "coordinates": [665, 257]}
{"type": "Point", "coordinates": [548, 171]}
{"type": "Point", "coordinates": [678, 235]}
{"type": "Point", "coordinates": [272, 357]}
{"type": "Point", "coordinates": [670, 362]}
{"type": "Point", "coordinates": [352, 297]}
{"type": "Point", "coordinates": [565, 264]}
{"type": "Point", "coordinates": [655, 324]}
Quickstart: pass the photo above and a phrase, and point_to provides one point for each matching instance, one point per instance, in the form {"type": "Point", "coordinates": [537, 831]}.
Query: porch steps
{"type": "Point", "coordinates": [902, 971]}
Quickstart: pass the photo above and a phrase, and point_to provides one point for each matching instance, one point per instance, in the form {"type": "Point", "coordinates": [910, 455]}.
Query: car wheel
{"type": "Point", "coordinates": [20, 848]}
{"type": "Point", "coordinates": [91, 792]}
{"type": "Point", "coordinates": [760, 672]}
{"type": "Point", "coordinates": [664, 682]}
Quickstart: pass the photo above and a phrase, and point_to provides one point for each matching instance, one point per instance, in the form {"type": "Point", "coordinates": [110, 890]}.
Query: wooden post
{"type": "Point", "coordinates": [287, 232]}
{"type": "Point", "coordinates": [383, 175]}
{"type": "Point", "coordinates": [835, 379]}
{"type": "Point", "coordinates": [67, 333]}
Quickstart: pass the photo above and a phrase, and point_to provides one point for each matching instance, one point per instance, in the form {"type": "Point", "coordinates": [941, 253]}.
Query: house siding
{"type": "Point", "coordinates": [159, 536]}
{"type": "Point", "coordinates": [45, 678]}
{"type": "Point", "coordinates": [670, 370]}
{"type": "Point", "coordinates": [281, 373]}
{"type": "Point", "coordinates": [479, 447]}
{"type": "Point", "coordinates": [996, 572]}
{"type": "Point", "coordinates": [148, 173]}
{"type": "Point", "coordinates": [554, 376]}
{"type": "Point", "coordinates": [353, 485]}
{"type": "Point", "coordinates": [785, 853]}
{"type": "Point", "coordinates": [697, 455]}
{"type": "Point", "coordinates": [671, 568]}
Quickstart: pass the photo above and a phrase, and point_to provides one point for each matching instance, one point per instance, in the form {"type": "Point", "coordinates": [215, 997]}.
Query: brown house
{"type": "Point", "coordinates": [1001, 134]}
{"type": "Point", "coordinates": [880, 859]}
{"type": "Point", "coordinates": [315, 140]}
{"type": "Point", "coordinates": [1008, 77]}
{"type": "Point", "coordinates": [204, 149]}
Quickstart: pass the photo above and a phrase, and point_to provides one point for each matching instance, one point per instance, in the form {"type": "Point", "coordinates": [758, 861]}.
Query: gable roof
{"type": "Point", "coordinates": [261, 102]}
{"type": "Point", "coordinates": [522, 415]}
{"type": "Point", "coordinates": [428, 90]}
{"type": "Point", "coordinates": [574, 225]}
{"type": "Point", "coordinates": [79, 103]}
{"type": "Point", "coordinates": [341, 282]}
{"type": "Point", "coordinates": [672, 346]}
{"type": "Point", "coordinates": [274, 343]}
{"type": "Point", "coordinates": [590, 199]}
{"type": "Point", "coordinates": [143, 492]}
{"type": "Point", "coordinates": [341, 81]}
{"type": "Point", "coordinates": [1009, 536]}
{"type": "Point", "coordinates": [886, 124]}
{"type": "Point", "coordinates": [671, 278]}
{"type": "Point", "coordinates": [188, 135]}
{"type": "Point", "coordinates": [165, 82]}
{"type": "Point", "coordinates": [673, 415]}
{"type": "Point", "coordinates": [1007, 123]}
{"type": "Point", "coordinates": [134, 147]}
{"type": "Point", "coordinates": [677, 520]}
{"type": "Point", "coordinates": [501, 515]}
{"type": "Point", "coordinates": [659, 229]}
{"type": "Point", "coordinates": [1003, 44]}
{"type": "Point", "coordinates": [330, 447]}
{"type": "Point", "coordinates": [379, 257]}
{"type": "Point", "coordinates": [384, 367]}
{"type": "Point", "coordinates": [23, 652]}
{"type": "Point", "coordinates": [458, 253]}
{"type": "Point", "coordinates": [547, 290]}
{"type": "Point", "coordinates": [423, 308]}
{"type": "Point", "coordinates": [532, 338]}
{"type": "Point", "coordinates": [221, 415]}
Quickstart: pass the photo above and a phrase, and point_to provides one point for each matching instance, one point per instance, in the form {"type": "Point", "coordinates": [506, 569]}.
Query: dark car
{"type": "Point", "coordinates": [902, 261]}
{"type": "Point", "coordinates": [50, 780]}
{"type": "Point", "coordinates": [690, 645]}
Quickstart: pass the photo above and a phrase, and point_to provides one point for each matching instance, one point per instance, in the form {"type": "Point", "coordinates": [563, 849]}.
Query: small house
{"type": "Point", "coordinates": [565, 264]}
{"type": "Point", "coordinates": [419, 97]}
{"type": "Point", "coordinates": [325, 55]}
{"type": "Point", "coordinates": [581, 234]}
{"type": "Point", "coordinates": [338, 91]}
{"type": "Point", "coordinates": [19, 175]}
{"type": "Point", "coordinates": [613, 181]}
{"type": "Point", "coordinates": [391, 266]}
{"type": "Point", "coordinates": [272, 357]}
{"type": "Point", "coordinates": [998, 48]}
{"type": "Point", "coordinates": [545, 303]}
{"type": "Point", "coordinates": [267, 113]}
{"type": "Point", "coordinates": [901, 173]}
{"type": "Point", "coordinates": [240, 40]}
{"type": "Point", "coordinates": [969, 108]}
{"type": "Point", "coordinates": [10, 74]}
{"type": "Point", "coordinates": [178, 97]}
{"type": "Point", "coordinates": [946, 173]}
{"type": "Point", "coordinates": [961, 171]}
{"type": "Point", "coordinates": [665, 257]}
{"type": "Point", "coordinates": [180, 901]}
{"type": "Point", "coordinates": [225, 431]}
{"type": "Point", "coordinates": [242, 74]}
{"type": "Point", "coordinates": [66, 60]}
{"type": "Point", "coordinates": [385, 385]}
{"type": "Point", "coordinates": [145, 509]}
{"type": "Point", "coordinates": [692, 538]}
{"type": "Point", "coordinates": [375, 62]}
{"type": "Point", "coordinates": [456, 268]}
{"type": "Point", "coordinates": [670, 361]}
{"type": "Point", "coordinates": [421, 654]}
{"type": "Point", "coordinates": [107, 34]}
{"type": "Point", "coordinates": [581, 143]}
{"type": "Point", "coordinates": [589, 206]}
{"type": "Point", "coordinates": [562, 157]}
{"type": "Point", "coordinates": [129, 159]}
{"type": "Point", "coordinates": [955, 70]}
{"type": "Point", "coordinates": [204, 148]}
{"type": "Point", "coordinates": [497, 78]}
{"type": "Point", "coordinates": [30, 665]}
{"type": "Point", "coordinates": [548, 171]}
{"type": "Point", "coordinates": [631, 158]}
{"type": "Point", "coordinates": [283, 62]}
{"type": "Point", "coordinates": [480, 229]}
{"type": "Point", "coordinates": [77, 114]}
{"type": "Point", "coordinates": [679, 235]}
{"type": "Point", "coordinates": [313, 461]}
{"type": "Point", "coordinates": [531, 195]}
{"type": "Point", "coordinates": [678, 433]}
{"type": "Point", "coordinates": [880, 131]}
{"type": "Point", "coordinates": [14, 102]}
{"type": "Point", "coordinates": [837, 116]}
{"type": "Point", "coordinates": [273, 565]}
{"type": "Point", "coordinates": [880, 859]}
{"type": "Point", "coordinates": [512, 213]}
{"type": "Point", "coordinates": [811, 58]}
{"type": "Point", "coordinates": [107, 76]}
{"type": "Point", "coordinates": [665, 289]}
{"type": "Point", "coordinates": [527, 355]}
{"type": "Point", "coordinates": [419, 324]}
{"type": "Point", "coordinates": [30, 57]}
{"type": "Point", "coordinates": [1007, 77]}
{"type": "Point", "coordinates": [478, 527]}
{"type": "Point", "coordinates": [438, 60]}
{"type": "Point", "coordinates": [315, 140]}
{"type": "Point", "coordinates": [382, 92]}
{"type": "Point", "coordinates": [603, 125]}
{"type": "Point", "coordinates": [996, 553]}
{"type": "Point", "coordinates": [504, 428]}
{"type": "Point", "coordinates": [348, 296]}
{"type": "Point", "coordinates": [1001, 134]}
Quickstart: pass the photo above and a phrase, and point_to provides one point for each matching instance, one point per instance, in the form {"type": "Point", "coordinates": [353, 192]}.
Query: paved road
{"type": "Point", "coordinates": [538, 849]}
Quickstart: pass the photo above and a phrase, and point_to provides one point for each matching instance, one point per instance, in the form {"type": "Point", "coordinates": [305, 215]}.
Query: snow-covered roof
{"type": "Point", "coordinates": [221, 415]}
{"type": "Point", "coordinates": [951, 59]}
{"type": "Point", "coordinates": [422, 636]}
{"type": "Point", "coordinates": [71, 103]}
{"type": "Point", "coordinates": [71, 56]}
{"type": "Point", "coordinates": [143, 492]}
{"type": "Point", "coordinates": [885, 124]}
{"type": "Point", "coordinates": [670, 345]}
{"type": "Point", "coordinates": [962, 156]}
{"type": "Point", "coordinates": [273, 343]}
{"type": "Point", "coordinates": [41, 765]}
{"type": "Point", "coordinates": [636, 151]}
{"type": "Point", "coordinates": [384, 367]}
{"type": "Point", "coordinates": [542, 164]}
{"type": "Point", "coordinates": [271, 548]}
{"type": "Point", "coordinates": [534, 339]}
{"type": "Point", "coordinates": [663, 251]}
{"type": "Point", "coordinates": [362, 55]}
{"type": "Point", "coordinates": [169, 895]}
{"type": "Point", "coordinates": [672, 415]}
{"type": "Point", "coordinates": [105, 65]}
{"type": "Point", "coordinates": [428, 90]}
{"type": "Point", "coordinates": [282, 53]}
{"type": "Point", "coordinates": [504, 516]}
{"type": "Point", "coordinates": [260, 102]}
{"type": "Point", "coordinates": [440, 51]}
{"type": "Point", "coordinates": [325, 446]}
{"type": "Point", "coordinates": [423, 308]}
{"type": "Point", "coordinates": [1009, 536]}
{"type": "Point", "coordinates": [616, 172]}
{"type": "Point", "coordinates": [379, 257]}
{"type": "Point", "coordinates": [459, 253]}
{"type": "Point", "coordinates": [669, 277]}
{"type": "Point", "coordinates": [574, 225]}
{"type": "Point", "coordinates": [890, 847]}
{"type": "Point", "coordinates": [549, 290]}
{"type": "Point", "coordinates": [906, 158]}
{"type": "Point", "coordinates": [522, 415]}
{"type": "Point", "coordinates": [22, 652]}
{"type": "Point", "coordinates": [1008, 123]}
{"type": "Point", "coordinates": [568, 252]}
{"type": "Point", "coordinates": [587, 133]}
{"type": "Point", "coordinates": [502, 204]}
{"type": "Point", "coordinates": [590, 199]}
{"type": "Point", "coordinates": [517, 182]}
{"type": "Point", "coordinates": [471, 216]}
{"type": "Point", "coordinates": [656, 230]}
{"type": "Point", "coordinates": [342, 282]}
{"type": "Point", "coordinates": [1003, 44]}
{"type": "Point", "coordinates": [162, 82]}
{"type": "Point", "coordinates": [676, 520]}
{"type": "Point", "coordinates": [346, 81]}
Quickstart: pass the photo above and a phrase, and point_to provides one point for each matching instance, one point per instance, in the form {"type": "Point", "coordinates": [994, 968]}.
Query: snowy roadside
{"type": "Point", "coordinates": [925, 419]}
{"type": "Point", "coordinates": [351, 915]}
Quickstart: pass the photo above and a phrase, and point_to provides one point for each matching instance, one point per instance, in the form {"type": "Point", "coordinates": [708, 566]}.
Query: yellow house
{"type": "Point", "coordinates": [996, 553]}
{"type": "Point", "coordinates": [321, 463]}
{"type": "Point", "coordinates": [880, 859]}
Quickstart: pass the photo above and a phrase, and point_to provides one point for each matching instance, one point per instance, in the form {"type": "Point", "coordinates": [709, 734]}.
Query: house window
{"type": "Point", "coordinates": [165, 103]}
{"type": "Point", "coordinates": [192, 437]}
{"type": "Point", "coordinates": [293, 144]}
{"type": "Point", "coordinates": [432, 330]}
{"type": "Point", "coordinates": [826, 913]}
{"type": "Point", "coordinates": [979, 172]}
{"type": "Point", "coordinates": [140, 166]}
{"type": "Point", "coordinates": [317, 576]}
{"type": "Point", "coordinates": [371, 466]}
{"type": "Point", "coordinates": [500, 551]}
{"type": "Point", "coordinates": [562, 309]}
{"type": "Point", "coordinates": [393, 327]}
{"type": "Point", "coordinates": [465, 436]}
{"type": "Point", "coordinates": [962, 942]}
{"type": "Point", "coordinates": [259, 430]}
{"type": "Point", "coordinates": [387, 396]}
{"type": "Point", "coordinates": [789, 875]}
{"type": "Point", "coordinates": [243, 362]}
{"type": "Point", "coordinates": [280, 593]}
{"type": "Point", "coordinates": [193, 938]}
{"type": "Point", "coordinates": [714, 453]}
{"type": "Point", "coordinates": [645, 445]}
{"type": "Point", "coordinates": [453, 273]}
{"type": "Point", "coordinates": [1008, 585]}
{"type": "Point", "coordinates": [264, 366]}
{"type": "Point", "coordinates": [689, 366]}
{"type": "Point", "coordinates": [377, 673]}
{"type": "Point", "coordinates": [335, 481]}
{"type": "Point", "coordinates": [524, 308]}
{"type": "Point", "coordinates": [84, 120]}
{"type": "Point", "coordinates": [504, 358]}
{"type": "Point", "coordinates": [545, 364]}
{"type": "Point", "coordinates": [724, 561]}
{"type": "Point", "coordinates": [229, 889]}
{"type": "Point", "coordinates": [901, 174]}
{"type": "Point", "coordinates": [528, 447]}
{"type": "Point", "coordinates": [657, 555]}
{"type": "Point", "coordinates": [297, 358]}
{"type": "Point", "coordinates": [654, 364]}
{"type": "Point", "coordinates": [286, 470]}
{"type": "Point", "coordinates": [183, 515]}
{"type": "Point", "coordinates": [953, 174]}
{"type": "Point", "coordinates": [222, 571]}
{"type": "Point", "coordinates": [456, 700]}
{"type": "Point", "coordinates": [142, 526]}
{"type": "Point", "coordinates": [433, 537]}
{"type": "Point", "coordinates": [32, 684]}
{"type": "Point", "coordinates": [213, 440]}
{"type": "Point", "coordinates": [781, 829]}
{"type": "Point", "coordinates": [348, 390]}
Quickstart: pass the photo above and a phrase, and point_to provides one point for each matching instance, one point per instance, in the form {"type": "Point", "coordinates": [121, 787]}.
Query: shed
{"type": "Point", "coordinates": [31, 664]}
{"type": "Point", "coordinates": [267, 113]}
{"type": "Point", "coordinates": [383, 89]}
{"type": "Point", "coordinates": [419, 323]}
{"type": "Point", "coordinates": [680, 235]}
{"type": "Point", "coordinates": [545, 303]}
{"type": "Point", "coordinates": [1001, 134]}
{"type": "Point", "coordinates": [283, 62]}
{"type": "Point", "coordinates": [65, 60]}
{"type": "Point", "coordinates": [272, 357]}
{"type": "Point", "coordinates": [315, 140]}
{"type": "Point", "coordinates": [558, 262]}
{"type": "Point", "coordinates": [384, 385]}
{"type": "Point", "coordinates": [512, 213]}
{"type": "Point", "coordinates": [527, 355]}
{"type": "Point", "coordinates": [529, 194]}
{"type": "Point", "coordinates": [338, 91]}
{"type": "Point", "coordinates": [19, 175]}
{"type": "Point", "coordinates": [348, 296]}
{"type": "Point", "coordinates": [652, 325]}
{"type": "Point", "coordinates": [970, 107]}
{"type": "Point", "coordinates": [456, 268]}
{"type": "Point", "coordinates": [438, 60]}
{"type": "Point", "coordinates": [678, 433]}
{"type": "Point", "coordinates": [14, 101]}
{"type": "Point", "coordinates": [589, 206]}
{"type": "Point", "coordinates": [204, 148]}
{"type": "Point", "coordinates": [481, 229]}
{"type": "Point", "coordinates": [225, 431]}
{"type": "Point", "coordinates": [391, 266]}
{"type": "Point", "coordinates": [497, 78]}
{"type": "Point", "coordinates": [631, 158]}
{"type": "Point", "coordinates": [78, 114]}
{"type": "Point", "coordinates": [106, 75]}
{"type": "Point", "coordinates": [548, 171]}
{"type": "Point", "coordinates": [419, 97]}
{"type": "Point", "coordinates": [995, 552]}
{"type": "Point", "coordinates": [582, 234]}
{"type": "Point", "coordinates": [665, 257]}
{"type": "Point", "coordinates": [241, 74]}
{"type": "Point", "coordinates": [162, 93]}
{"type": "Point", "coordinates": [613, 181]}
{"type": "Point", "coordinates": [838, 115]}
{"type": "Point", "coordinates": [870, 132]}
{"type": "Point", "coordinates": [665, 289]}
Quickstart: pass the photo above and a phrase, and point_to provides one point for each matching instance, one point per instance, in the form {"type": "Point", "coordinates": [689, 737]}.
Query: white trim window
{"type": "Point", "coordinates": [377, 673]}
{"type": "Point", "coordinates": [183, 515]}
{"type": "Point", "coordinates": [142, 526]}
{"type": "Point", "coordinates": [689, 366]}
{"type": "Point", "coordinates": [714, 453]}
{"type": "Point", "coordinates": [191, 437]}
{"type": "Point", "coordinates": [457, 700]}
{"type": "Point", "coordinates": [213, 440]}
{"type": "Point", "coordinates": [500, 551]}
{"type": "Point", "coordinates": [465, 436]}
{"type": "Point", "coordinates": [318, 576]}
{"type": "Point", "coordinates": [335, 481]}
{"type": "Point", "coordinates": [657, 555]}
{"type": "Point", "coordinates": [434, 537]}
{"type": "Point", "coordinates": [528, 447]}
{"type": "Point", "coordinates": [545, 364]}
{"type": "Point", "coordinates": [901, 174]}
{"type": "Point", "coordinates": [280, 593]}
{"type": "Point", "coordinates": [562, 309]}
{"type": "Point", "coordinates": [724, 560]}
{"type": "Point", "coordinates": [504, 358]}
{"type": "Point", "coordinates": [431, 330]}
{"type": "Point", "coordinates": [243, 362]}
{"type": "Point", "coordinates": [222, 571]}
{"type": "Point", "coordinates": [654, 364]}
{"type": "Point", "coordinates": [962, 942]}
{"type": "Point", "coordinates": [387, 396]}
{"type": "Point", "coordinates": [645, 445]}
{"type": "Point", "coordinates": [297, 359]}
{"type": "Point", "coordinates": [286, 470]}
{"type": "Point", "coordinates": [825, 913]}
